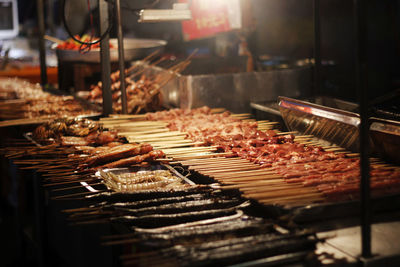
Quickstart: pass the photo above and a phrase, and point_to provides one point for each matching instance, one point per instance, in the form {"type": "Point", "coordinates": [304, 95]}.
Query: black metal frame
{"type": "Point", "coordinates": [121, 58]}
{"type": "Point", "coordinates": [42, 49]}
{"type": "Point", "coordinates": [360, 32]}
{"type": "Point", "coordinates": [105, 59]}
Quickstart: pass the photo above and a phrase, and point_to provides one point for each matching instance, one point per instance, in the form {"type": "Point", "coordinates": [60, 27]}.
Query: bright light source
{"type": "Point", "coordinates": [179, 12]}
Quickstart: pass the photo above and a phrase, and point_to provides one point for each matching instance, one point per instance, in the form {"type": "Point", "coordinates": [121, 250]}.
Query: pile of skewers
{"type": "Point", "coordinates": [16, 88]}
{"type": "Point", "coordinates": [74, 149]}
{"type": "Point", "coordinates": [143, 90]}
{"type": "Point", "coordinates": [27, 101]}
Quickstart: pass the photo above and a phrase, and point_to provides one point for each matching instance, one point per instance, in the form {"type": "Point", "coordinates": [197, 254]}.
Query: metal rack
{"type": "Point", "coordinates": [361, 87]}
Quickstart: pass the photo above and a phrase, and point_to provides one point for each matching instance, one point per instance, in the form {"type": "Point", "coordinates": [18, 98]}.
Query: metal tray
{"type": "Point", "coordinates": [334, 125]}
{"type": "Point", "coordinates": [133, 49]}
{"type": "Point", "coordinates": [385, 135]}
{"type": "Point", "coordinates": [233, 91]}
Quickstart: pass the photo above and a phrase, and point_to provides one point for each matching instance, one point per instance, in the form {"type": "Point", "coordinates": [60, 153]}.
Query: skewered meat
{"type": "Point", "coordinates": [65, 126]}
{"type": "Point", "coordinates": [142, 95]}
{"type": "Point", "coordinates": [126, 162]}
{"type": "Point", "coordinates": [143, 180]}
{"type": "Point", "coordinates": [116, 153]}
{"type": "Point", "coordinates": [73, 141]}
{"type": "Point", "coordinates": [296, 163]}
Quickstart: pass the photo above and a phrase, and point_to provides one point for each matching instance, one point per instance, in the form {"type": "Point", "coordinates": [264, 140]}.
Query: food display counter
{"type": "Point", "coordinates": [156, 167]}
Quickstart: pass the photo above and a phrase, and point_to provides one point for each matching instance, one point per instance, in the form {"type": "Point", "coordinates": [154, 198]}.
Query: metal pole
{"type": "Point", "coordinates": [360, 23]}
{"type": "Point", "coordinates": [317, 48]}
{"type": "Point", "coordinates": [105, 59]}
{"type": "Point", "coordinates": [42, 49]}
{"type": "Point", "coordinates": [121, 58]}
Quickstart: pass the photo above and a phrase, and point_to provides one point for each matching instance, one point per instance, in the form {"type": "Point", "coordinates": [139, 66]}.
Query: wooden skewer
{"type": "Point", "coordinates": [76, 194]}
{"type": "Point", "coordinates": [255, 184]}
{"type": "Point", "coordinates": [171, 138]}
{"type": "Point", "coordinates": [210, 155]}
{"type": "Point", "coordinates": [353, 154]}
{"type": "Point", "coordinates": [285, 133]}
{"type": "Point", "coordinates": [70, 182]}
{"type": "Point", "coordinates": [213, 172]}
{"type": "Point", "coordinates": [308, 198]}
{"type": "Point", "coordinates": [222, 167]}
{"type": "Point", "coordinates": [160, 135]}
{"type": "Point", "coordinates": [172, 142]}
{"type": "Point", "coordinates": [217, 110]}
{"type": "Point", "coordinates": [278, 190]}
{"type": "Point", "coordinates": [268, 198]}
{"type": "Point", "coordinates": [222, 164]}
{"type": "Point", "coordinates": [142, 132]}
{"type": "Point", "coordinates": [202, 161]}
{"type": "Point", "coordinates": [246, 173]}
{"type": "Point", "coordinates": [123, 117]}
{"type": "Point", "coordinates": [214, 164]}
{"type": "Point", "coordinates": [174, 145]}
{"type": "Point", "coordinates": [240, 114]}
{"type": "Point", "coordinates": [242, 180]}
{"type": "Point", "coordinates": [74, 187]}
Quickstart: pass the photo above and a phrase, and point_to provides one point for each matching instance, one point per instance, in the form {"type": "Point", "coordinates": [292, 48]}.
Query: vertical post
{"type": "Point", "coordinates": [50, 16]}
{"type": "Point", "coordinates": [360, 24]}
{"type": "Point", "coordinates": [42, 49]}
{"type": "Point", "coordinates": [121, 58]}
{"type": "Point", "coordinates": [40, 220]}
{"type": "Point", "coordinates": [105, 59]}
{"type": "Point", "coordinates": [317, 48]}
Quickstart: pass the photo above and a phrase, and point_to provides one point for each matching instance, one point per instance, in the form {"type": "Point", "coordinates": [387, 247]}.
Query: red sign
{"type": "Point", "coordinates": [208, 18]}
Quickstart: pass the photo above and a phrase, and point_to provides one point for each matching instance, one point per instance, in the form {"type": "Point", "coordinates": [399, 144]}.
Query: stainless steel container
{"type": "Point", "coordinates": [233, 91]}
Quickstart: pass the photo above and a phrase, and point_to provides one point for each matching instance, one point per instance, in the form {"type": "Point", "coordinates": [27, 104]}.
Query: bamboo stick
{"type": "Point", "coordinates": [74, 187]}
{"type": "Point", "coordinates": [217, 110]}
{"type": "Point", "coordinates": [213, 172]}
{"type": "Point", "coordinates": [210, 155]}
{"type": "Point", "coordinates": [202, 161]}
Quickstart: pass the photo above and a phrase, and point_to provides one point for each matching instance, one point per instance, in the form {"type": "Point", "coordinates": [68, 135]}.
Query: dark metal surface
{"type": "Point", "coordinates": [121, 59]}
{"type": "Point", "coordinates": [360, 30]}
{"type": "Point", "coordinates": [105, 60]}
{"type": "Point", "coordinates": [317, 48]}
{"type": "Point", "coordinates": [42, 49]}
{"type": "Point", "coordinates": [385, 243]}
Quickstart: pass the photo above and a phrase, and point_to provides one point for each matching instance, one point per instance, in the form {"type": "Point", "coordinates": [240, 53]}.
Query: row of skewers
{"type": "Point", "coordinates": [28, 103]}
{"type": "Point", "coordinates": [289, 169]}
{"type": "Point", "coordinates": [285, 165]}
